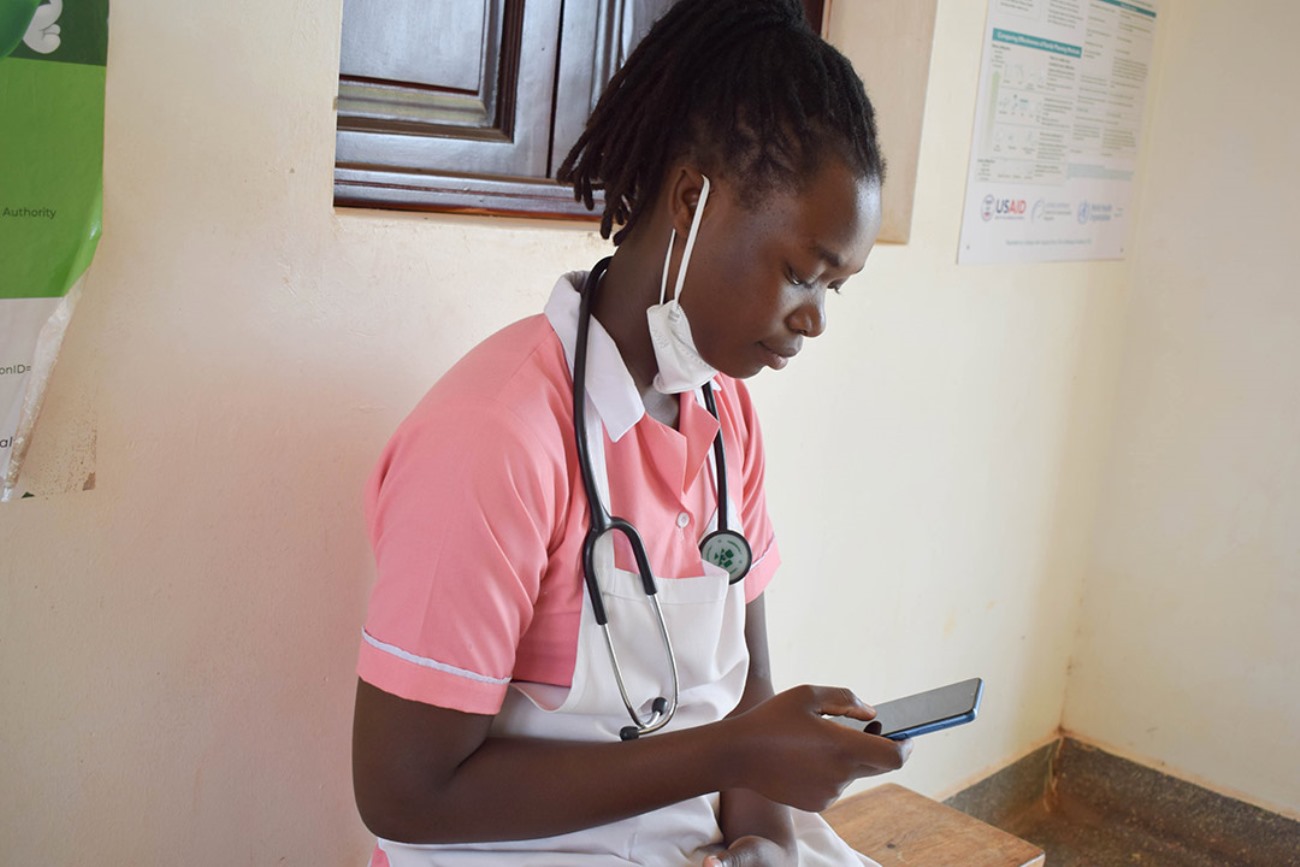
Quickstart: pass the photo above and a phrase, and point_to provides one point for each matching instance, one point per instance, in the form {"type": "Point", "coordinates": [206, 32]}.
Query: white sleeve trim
{"type": "Point", "coordinates": [425, 662]}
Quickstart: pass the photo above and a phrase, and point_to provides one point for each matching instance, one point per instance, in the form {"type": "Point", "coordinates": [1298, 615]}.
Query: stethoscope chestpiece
{"type": "Point", "coordinates": [728, 550]}
{"type": "Point", "coordinates": [724, 548]}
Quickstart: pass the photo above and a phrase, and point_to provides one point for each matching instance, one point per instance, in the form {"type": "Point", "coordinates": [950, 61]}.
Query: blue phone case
{"type": "Point", "coordinates": [931, 711]}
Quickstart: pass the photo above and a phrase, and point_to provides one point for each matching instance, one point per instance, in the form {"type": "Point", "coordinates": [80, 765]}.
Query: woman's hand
{"type": "Point", "coordinates": [794, 756]}
{"type": "Point", "coordinates": [753, 852]}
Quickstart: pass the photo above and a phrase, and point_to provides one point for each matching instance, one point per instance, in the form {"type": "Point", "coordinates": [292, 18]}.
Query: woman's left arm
{"type": "Point", "coordinates": [758, 832]}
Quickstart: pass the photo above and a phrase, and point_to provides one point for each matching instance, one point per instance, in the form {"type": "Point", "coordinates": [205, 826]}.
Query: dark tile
{"type": "Point", "coordinates": [1016, 788]}
{"type": "Point", "coordinates": [1084, 806]}
{"type": "Point", "coordinates": [1094, 841]}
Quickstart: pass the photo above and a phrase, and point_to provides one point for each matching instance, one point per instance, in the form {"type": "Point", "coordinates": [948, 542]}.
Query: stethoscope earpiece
{"type": "Point", "coordinates": [658, 708]}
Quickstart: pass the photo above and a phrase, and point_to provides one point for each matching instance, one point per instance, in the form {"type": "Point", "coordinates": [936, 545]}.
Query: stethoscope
{"type": "Point", "coordinates": [723, 547]}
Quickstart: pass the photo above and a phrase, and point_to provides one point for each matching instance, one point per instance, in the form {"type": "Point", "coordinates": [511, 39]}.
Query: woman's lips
{"type": "Point", "coordinates": [778, 358]}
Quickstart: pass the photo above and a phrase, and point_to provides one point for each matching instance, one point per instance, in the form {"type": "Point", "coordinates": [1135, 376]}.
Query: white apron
{"type": "Point", "coordinates": [706, 622]}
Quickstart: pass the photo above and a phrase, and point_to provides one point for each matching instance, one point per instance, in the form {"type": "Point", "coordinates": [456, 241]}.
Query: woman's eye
{"type": "Point", "coordinates": [795, 280]}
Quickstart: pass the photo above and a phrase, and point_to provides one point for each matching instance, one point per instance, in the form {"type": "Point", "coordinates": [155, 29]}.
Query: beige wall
{"type": "Point", "coordinates": [1188, 649]}
{"type": "Point", "coordinates": [933, 459]}
{"type": "Point", "coordinates": [178, 643]}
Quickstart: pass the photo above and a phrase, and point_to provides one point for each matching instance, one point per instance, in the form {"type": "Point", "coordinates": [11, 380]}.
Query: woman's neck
{"type": "Point", "coordinates": [630, 286]}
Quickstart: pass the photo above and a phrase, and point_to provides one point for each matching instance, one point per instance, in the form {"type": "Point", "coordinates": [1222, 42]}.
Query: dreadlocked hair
{"type": "Point", "coordinates": [743, 86]}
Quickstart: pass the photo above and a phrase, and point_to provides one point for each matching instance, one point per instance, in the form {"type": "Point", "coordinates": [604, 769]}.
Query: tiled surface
{"type": "Point", "coordinates": [1071, 839]}
{"type": "Point", "coordinates": [1087, 807]}
{"type": "Point", "coordinates": [1011, 791]}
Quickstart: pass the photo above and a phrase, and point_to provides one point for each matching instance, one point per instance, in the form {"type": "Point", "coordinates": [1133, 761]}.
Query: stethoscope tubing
{"type": "Point", "coordinates": [603, 522]}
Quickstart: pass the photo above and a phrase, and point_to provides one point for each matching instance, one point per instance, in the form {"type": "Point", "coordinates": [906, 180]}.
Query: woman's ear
{"type": "Point", "coordinates": [683, 196]}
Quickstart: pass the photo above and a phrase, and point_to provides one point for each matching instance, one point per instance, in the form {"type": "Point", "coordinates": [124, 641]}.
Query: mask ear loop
{"type": "Point", "coordinates": [690, 247]}
{"type": "Point", "coordinates": [668, 258]}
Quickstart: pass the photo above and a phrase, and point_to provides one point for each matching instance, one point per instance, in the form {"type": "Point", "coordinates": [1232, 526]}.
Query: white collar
{"type": "Point", "coordinates": [610, 386]}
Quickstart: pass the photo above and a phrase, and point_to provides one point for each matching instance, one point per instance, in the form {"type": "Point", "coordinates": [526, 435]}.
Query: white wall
{"type": "Point", "coordinates": [178, 644]}
{"type": "Point", "coordinates": [1188, 648]}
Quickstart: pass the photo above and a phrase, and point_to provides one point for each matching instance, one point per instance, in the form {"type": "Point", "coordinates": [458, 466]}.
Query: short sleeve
{"type": "Point", "coordinates": [753, 501]}
{"type": "Point", "coordinates": [461, 512]}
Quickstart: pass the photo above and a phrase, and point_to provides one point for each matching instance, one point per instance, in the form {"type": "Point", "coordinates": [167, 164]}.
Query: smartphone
{"type": "Point", "coordinates": [925, 712]}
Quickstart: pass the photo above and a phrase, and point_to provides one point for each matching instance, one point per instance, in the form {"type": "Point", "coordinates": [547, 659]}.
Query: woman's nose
{"type": "Point", "coordinates": [809, 318]}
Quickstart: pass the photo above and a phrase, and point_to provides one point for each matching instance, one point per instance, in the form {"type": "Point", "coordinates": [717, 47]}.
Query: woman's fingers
{"type": "Point", "coordinates": [882, 755]}
{"type": "Point", "coordinates": [751, 852]}
{"type": "Point", "coordinates": [792, 754]}
{"type": "Point", "coordinates": [838, 701]}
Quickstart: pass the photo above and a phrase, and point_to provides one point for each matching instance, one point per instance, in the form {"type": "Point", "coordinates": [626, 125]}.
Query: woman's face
{"type": "Point", "coordinates": [758, 277]}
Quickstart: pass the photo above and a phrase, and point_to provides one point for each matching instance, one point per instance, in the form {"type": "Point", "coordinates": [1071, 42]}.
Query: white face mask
{"type": "Point", "coordinates": [680, 366]}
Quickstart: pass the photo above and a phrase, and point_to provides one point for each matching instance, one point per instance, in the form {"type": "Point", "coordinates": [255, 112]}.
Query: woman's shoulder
{"type": "Point", "coordinates": [738, 414]}
{"type": "Point", "coordinates": [526, 352]}
{"type": "Point", "coordinates": [492, 435]}
{"type": "Point", "coordinates": [516, 378]}
{"type": "Point", "coordinates": [734, 394]}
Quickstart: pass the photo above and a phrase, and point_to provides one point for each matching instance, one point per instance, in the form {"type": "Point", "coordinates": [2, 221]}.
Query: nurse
{"type": "Point", "coordinates": [741, 175]}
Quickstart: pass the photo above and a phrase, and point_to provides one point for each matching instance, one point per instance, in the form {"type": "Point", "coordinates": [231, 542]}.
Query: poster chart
{"type": "Point", "coordinates": [1054, 149]}
{"type": "Point", "coordinates": [52, 64]}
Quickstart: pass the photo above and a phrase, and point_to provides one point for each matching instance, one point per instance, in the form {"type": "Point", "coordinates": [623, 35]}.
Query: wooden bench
{"type": "Point", "coordinates": [896, 826]}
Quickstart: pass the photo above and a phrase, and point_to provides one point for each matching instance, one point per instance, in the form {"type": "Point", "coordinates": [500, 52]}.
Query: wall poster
{"type": "Point", "coordinates": [52, 65]}
{"type": "Point", "coordinates": [1061, 95]}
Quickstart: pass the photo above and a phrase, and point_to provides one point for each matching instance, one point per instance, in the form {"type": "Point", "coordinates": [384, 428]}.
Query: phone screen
{"type": "Point", "coordinates": [929, 711]}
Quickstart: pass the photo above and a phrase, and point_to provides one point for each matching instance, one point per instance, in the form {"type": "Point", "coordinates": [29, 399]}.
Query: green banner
{"type": "Point", "coordinates": [52, 66]}
{"type": "Point", "coordinates": [51, 152]}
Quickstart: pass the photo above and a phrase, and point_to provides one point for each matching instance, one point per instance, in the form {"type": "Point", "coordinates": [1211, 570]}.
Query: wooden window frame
{"type": "Point", "coordinates": [392, 163]}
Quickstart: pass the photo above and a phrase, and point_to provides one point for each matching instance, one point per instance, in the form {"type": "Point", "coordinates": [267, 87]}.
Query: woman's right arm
{"type": "Point", "coordinates": [425, 774]}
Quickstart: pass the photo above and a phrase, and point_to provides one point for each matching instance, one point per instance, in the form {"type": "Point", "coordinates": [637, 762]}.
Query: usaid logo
{"type": "Point", "coordinates": [1009, 207]}
{"type": "Point", "coordinates": [1003, 209]}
